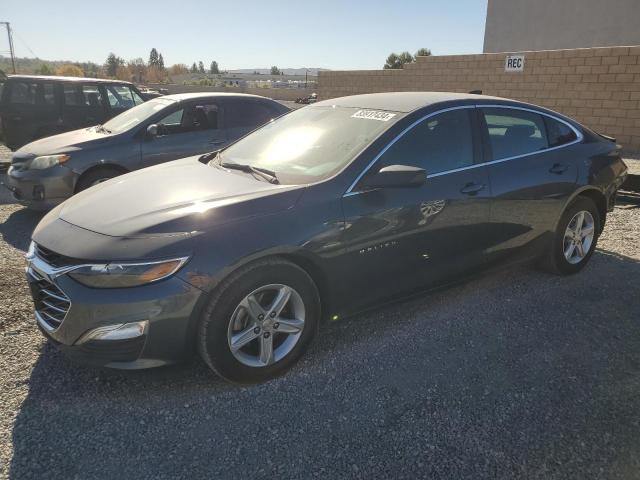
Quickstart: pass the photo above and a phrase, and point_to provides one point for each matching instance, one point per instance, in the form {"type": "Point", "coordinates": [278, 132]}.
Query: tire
{"type": "Point", "coordinates": [227, 314]}
{"type": "Point", "coordinates": [556, 261]}
{"type": "Point", "coordinates": [96, 176]}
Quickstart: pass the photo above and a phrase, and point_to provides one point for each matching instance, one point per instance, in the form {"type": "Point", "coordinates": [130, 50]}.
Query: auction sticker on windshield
{"type": "Point", "coordinates": [374, 115]}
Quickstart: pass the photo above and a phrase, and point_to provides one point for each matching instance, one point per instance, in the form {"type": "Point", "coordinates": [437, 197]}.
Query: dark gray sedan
{"type": "Point", "coordinates": [46, 172]}
{"type": "Point", "coordinates": [329, 210]}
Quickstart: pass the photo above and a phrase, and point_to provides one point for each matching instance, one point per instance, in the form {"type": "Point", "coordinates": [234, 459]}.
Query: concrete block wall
{"type": "Point", "coordinates": [599, 87]}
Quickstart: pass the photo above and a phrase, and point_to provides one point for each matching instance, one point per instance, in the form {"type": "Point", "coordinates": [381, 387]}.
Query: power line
{"type": "Point", "coordinates": [24, 43]}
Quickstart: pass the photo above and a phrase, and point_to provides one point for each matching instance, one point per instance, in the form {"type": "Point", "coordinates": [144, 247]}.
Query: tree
{"type": "Point", "coordinates": [112, 64]}
{"type": "Point", "coordinates": [153, 58]}
{"type": "Point", "coordinates": [160, 62]}
{"type": "Point", "coordinates": [194, 68]}
{"type": "Point", "coordinates": [275, 71]}
{"type": "Point", "coordinates": [214, 68]}
{"type": "Point", "coordinates": [123, 73]}
{"type": "Point", "coordinates": [44, 70]}
{"type": "Point", "coordinates": [69, 70]}
{"type": "Point", "coordinates": [395, 61]}
{"type": "Point", "coordinates": [178, 69]}
{"type": "Point", "coordinates": [200, 67]}
{"type": "Point", "coordinates": [137, 68]}
{"type": "Point", "coordinates": [423, 52]}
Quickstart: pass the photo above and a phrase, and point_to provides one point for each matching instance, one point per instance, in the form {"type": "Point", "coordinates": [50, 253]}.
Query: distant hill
{"type": "Point", "coordinates": [287, 71]}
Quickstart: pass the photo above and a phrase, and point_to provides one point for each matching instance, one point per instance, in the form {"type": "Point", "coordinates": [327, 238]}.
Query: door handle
{"type": "Point", "coordinates": [216, 142]}
{"type": "Point", "coordinates": [558, 168]}
{"type": "Point", "coordinates": [472, 188]}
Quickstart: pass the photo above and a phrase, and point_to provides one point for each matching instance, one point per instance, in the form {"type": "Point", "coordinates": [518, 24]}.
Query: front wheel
{"type": "Point", "coordinates": [575, 238]}
{"type": "Point", "coordinates": [95, 177]}
{"type": "Point", "coordinates": [259, 322]}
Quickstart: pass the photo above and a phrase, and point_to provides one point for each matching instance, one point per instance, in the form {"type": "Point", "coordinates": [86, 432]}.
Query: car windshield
{"type": "Point", "coordinates": [136, 115]}
{"type": "Point", "coordinates": [310, 144]}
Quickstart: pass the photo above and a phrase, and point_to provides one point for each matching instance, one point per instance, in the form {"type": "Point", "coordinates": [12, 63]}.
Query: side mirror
{"type": "Point", "coordinates": [152, 130]}
{"type": "Point", "coordinates": [396, 176]}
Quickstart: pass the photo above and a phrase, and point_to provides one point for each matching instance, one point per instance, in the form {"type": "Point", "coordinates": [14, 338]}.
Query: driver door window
{"type": "Point", "coordinates": [438, 144]}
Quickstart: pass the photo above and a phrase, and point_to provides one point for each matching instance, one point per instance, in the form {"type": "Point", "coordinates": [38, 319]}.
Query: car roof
{"type": "Point", "coordinates": [197, 95]}
{"type": "Point", "coordinates": [401, 101]}
{"type": "Point", "coordinates": [66, 79]}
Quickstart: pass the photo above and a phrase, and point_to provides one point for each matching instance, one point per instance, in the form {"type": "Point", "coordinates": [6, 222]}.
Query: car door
{"type": "Point", "coordinates": [193, 129]}
{"type": "Point", "coordinates": [403, 238]}
{"type": "Point", "coordinates": [532, 172]}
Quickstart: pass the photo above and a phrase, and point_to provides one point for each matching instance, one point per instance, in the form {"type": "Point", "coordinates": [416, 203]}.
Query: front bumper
{"type": "Point", "coordinates": [41, 189]}
{"type": "Point", "coordinates": [166, 309]}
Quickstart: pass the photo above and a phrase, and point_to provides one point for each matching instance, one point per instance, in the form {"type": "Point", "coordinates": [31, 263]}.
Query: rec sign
{"type": "Point", "coordinates": [514, 63]}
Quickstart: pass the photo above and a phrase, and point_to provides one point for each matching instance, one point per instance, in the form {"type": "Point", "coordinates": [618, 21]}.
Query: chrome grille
{"type": "Point", "coordinates": [55, 259]}
{"type": "Point", "coordinates": [51, 303]}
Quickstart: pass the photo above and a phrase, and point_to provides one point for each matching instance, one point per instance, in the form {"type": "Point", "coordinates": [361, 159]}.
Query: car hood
{"type": "Point", "coordinates": [66, 142]}
{"type": "Point", "coordinates": [180, 197]}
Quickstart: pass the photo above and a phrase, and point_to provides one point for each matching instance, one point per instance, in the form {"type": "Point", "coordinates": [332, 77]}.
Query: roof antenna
{"type": "Point", "coordinates": [476, 92]}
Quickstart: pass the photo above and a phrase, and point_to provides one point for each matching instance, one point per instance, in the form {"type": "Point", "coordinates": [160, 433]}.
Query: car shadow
{"type": "Point", "coordinates": [628, 199]}
{"type": "Point", "coordinates": [489, 382]}
{"type": "Point", "coordinates": [16, 230]}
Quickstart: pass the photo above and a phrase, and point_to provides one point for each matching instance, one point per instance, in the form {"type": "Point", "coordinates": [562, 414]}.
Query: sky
{"type": "Point", "coordinates": [332, 34]}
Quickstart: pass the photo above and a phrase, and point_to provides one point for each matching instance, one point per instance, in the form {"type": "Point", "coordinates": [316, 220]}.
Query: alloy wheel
{"type": "Point", "coordinates": [578, 237]}
{"type": "Point", "coordinates": [266, 325]}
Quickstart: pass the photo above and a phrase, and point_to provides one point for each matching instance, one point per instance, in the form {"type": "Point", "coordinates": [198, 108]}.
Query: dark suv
{"type": "Point", "coordinates": [33, 106]}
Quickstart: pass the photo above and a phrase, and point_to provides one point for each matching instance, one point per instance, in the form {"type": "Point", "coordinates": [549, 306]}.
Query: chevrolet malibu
{"type": "Point", "coordinates": [242, 253]}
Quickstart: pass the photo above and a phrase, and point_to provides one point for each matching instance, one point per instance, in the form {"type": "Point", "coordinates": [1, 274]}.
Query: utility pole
{"type": "Point", "coordinates": [13, 60]}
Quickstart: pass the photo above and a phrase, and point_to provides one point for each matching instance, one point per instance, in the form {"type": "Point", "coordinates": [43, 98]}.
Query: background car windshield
{"type": "Point", "coordinates": [134, 116]}
{"type": "Point", "coordinates": [309, 144]}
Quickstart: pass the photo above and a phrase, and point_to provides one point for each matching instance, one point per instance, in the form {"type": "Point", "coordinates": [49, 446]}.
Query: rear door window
{"type": "Point", "coordinates": [71, 95]}
{"type": "Point", "coordinates": [48, 93]}
{"type": "Point", "coordinates": [513, 132]}
{"type": "Point", "coordinates": [246, 113]}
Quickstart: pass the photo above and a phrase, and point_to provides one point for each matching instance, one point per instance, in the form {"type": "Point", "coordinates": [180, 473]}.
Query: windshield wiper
{"type": "Point", "coordinates": [269, 175]}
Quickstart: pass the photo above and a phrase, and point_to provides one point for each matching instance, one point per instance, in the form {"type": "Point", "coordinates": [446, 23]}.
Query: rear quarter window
{"type": "Point", "coordinates": [559, 133]}
{"type": "Point", "coordinates": [32, 93]}
{"type": "Point", "coordinates": [23, 93]}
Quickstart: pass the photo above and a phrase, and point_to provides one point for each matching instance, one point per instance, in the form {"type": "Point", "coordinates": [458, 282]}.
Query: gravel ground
{"type": "Point", "coordinates": [517, 374]}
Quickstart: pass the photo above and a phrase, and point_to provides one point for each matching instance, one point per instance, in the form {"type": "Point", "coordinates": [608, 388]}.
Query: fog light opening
{"type": "Point", "coordinates": [120, 331]}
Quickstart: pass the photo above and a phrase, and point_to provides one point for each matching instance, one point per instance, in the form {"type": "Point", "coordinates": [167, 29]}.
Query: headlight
{"type": "Point", "coordinates": [122, 275]}
{"type": "Point", "coordinates": [47, 161]}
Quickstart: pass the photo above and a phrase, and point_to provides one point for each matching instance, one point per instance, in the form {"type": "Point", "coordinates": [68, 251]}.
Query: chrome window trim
{"type": "Point", "coordinates": [579, 138]}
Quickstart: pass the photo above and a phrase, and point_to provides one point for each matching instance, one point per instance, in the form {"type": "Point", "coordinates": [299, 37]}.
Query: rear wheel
{"type": "Point", "coordinates": [259, 322]}
{"type": "Point", "coordinates": [94, 177]}
{"type": "Point", "coordinates": [575, 238]}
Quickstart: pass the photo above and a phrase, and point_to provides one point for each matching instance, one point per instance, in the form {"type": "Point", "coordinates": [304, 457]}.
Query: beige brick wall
{"type": "Point", "coordinates": [599, 87]}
